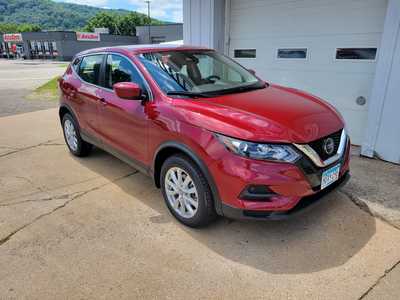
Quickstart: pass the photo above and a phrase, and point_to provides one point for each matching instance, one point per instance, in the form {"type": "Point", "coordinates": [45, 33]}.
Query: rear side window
{"type": "Point", "coordinates": [75, 64]}
{"type": "Point", "coordinates": [89, 68]}
{"type": "Point", "coordinates": [120, 69]}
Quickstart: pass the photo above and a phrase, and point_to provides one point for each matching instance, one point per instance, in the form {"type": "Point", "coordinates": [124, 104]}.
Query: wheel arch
{"type": "Point", "coordinates": [66, 109]}
{"type": "Point", "coordinates": [171, 148]}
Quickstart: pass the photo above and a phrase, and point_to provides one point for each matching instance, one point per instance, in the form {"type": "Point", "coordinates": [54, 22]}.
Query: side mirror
{"type": "Point", "coordinates": [128, 90]}
{"type": "Point", "coordinates": [252, 71]}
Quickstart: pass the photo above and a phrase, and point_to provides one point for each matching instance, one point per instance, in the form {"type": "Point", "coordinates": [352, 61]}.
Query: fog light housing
{"type": "Point", "coordinates": [259, 193]}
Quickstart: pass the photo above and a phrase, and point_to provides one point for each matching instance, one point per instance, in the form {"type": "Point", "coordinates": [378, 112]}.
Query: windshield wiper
{"type": "Point", "coordinates": [189, 94]}
{"type": "Point", "coordinates": [247, 88]}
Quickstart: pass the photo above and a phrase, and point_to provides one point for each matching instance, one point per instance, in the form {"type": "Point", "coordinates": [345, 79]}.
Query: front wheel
{"type": "Point", "coordinates": [186, 192]}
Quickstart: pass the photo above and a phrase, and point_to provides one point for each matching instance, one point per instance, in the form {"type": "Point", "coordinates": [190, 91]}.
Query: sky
{"type": "Point", "coordinates": [166, 10]}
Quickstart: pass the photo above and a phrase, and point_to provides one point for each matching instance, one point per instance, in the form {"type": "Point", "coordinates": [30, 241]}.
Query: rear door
{"type": "Point", "coordinates": [123, 123]}
{"type": "Point", "coordinates": [87, 92]}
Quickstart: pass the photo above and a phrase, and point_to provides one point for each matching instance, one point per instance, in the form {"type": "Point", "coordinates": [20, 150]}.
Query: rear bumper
{"type": "Point", "coordinates": [302, 206]}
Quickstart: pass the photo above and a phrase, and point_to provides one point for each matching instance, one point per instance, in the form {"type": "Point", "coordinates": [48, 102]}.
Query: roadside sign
{"type": "Point", "coordinates": [12, 37]}
{"type": "Point", "coordinates": [88, 36]}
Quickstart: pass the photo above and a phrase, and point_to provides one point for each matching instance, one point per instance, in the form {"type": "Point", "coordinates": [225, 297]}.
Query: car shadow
{"type": "Point", "coordinates": [323, 238]}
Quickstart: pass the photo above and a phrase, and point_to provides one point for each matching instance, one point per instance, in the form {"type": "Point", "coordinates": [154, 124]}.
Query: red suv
{"type": "Point", "coordinates": [214, 137]}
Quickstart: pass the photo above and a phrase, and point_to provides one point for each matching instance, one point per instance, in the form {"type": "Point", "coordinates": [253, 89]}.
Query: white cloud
{"type": "Point", "coordinates": [88, 2]}
{"type": "Point", "coordinates": [170, 10]}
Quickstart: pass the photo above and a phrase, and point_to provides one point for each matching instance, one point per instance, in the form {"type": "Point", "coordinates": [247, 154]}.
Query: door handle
{"type": "Point", "coordinates": [103, 101]}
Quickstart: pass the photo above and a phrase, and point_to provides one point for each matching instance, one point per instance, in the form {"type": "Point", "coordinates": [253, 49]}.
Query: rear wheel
{"type": "Point", "coordinates": [73, 139]}
{"type": "Point", "coordinates": [186, 192]}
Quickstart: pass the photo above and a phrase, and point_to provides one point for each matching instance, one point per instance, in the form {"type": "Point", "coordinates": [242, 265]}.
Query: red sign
{"type": "Point", "coordinates": [12, 37]}
{"type": "Point", "coordinates": [88, 36]}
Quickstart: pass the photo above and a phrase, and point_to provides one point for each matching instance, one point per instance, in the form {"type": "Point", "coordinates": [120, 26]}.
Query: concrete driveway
{"type": "Point", "coordinates": [18, 78]}
{"type": "Point", "coordinates": [96, 228]}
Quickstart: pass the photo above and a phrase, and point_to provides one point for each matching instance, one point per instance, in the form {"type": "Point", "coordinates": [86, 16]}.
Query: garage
{"type": "Point", "coordinates": [344, 51]}
{"type": "Point", "coordinates": [316, 46]}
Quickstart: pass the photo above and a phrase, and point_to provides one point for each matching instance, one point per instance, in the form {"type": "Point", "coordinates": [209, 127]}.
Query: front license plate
{"type": "Point", "coordinates": [330, 176]}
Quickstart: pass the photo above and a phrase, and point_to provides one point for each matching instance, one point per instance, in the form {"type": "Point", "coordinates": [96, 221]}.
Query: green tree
{"type": "Point", "coordinates": [13, 28]}
{"type": "Point", "coordinates": [128, 23]}
{"type": "Point", "coordinates": [123, 24]}
{"type": "Point", "coordinates": [28, 28]}
{"type": "Point", "coordinates": [52, 15]}
{"type": "Point", "coordinates": [106, 20]}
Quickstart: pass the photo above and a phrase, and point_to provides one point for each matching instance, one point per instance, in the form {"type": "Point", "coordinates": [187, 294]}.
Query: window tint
{"type": "Point", "coordinates": [295, 53]}
{"type": "Point", "coordinates": [356, 53]}
{"type": "Point", "coordinates": [89, 68]}
{"type": "Point", "coordinates": [245, 53]}
{"type": "Point", "coordinates": [120, 69]}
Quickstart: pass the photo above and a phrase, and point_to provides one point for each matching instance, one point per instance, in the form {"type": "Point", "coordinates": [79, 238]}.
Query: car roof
{"type": "Point", "coordinates": [137, 49]}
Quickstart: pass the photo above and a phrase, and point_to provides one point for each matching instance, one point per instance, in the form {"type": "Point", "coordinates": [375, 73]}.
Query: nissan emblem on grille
{"type": "Point", "coordinates": [329, 146]}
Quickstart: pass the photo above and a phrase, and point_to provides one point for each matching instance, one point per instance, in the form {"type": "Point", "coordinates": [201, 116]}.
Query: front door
{"type": "Point", "coordinates": [123, 123]}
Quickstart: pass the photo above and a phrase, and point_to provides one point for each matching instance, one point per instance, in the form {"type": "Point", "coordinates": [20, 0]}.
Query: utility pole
{"type": "Point", "coordinates": [149, 19]}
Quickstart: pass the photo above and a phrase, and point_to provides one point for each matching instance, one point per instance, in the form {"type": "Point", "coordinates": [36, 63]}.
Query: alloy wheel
{"type": "Point", "coordinates": [181, 192]}
{"type": "Point", "coordinates": [70, 135]}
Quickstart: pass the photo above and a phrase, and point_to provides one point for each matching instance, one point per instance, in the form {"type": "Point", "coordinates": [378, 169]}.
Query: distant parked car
{"type": "Point", "coordinates": [214, 137]}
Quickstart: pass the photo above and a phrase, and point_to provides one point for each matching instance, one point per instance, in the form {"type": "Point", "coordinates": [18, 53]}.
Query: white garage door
{"type": "Point", "coordinates": [326, 47]}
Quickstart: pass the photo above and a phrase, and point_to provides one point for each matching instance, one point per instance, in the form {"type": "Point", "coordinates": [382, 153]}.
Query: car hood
{"type": "Point", "coordinates": [272, 114]}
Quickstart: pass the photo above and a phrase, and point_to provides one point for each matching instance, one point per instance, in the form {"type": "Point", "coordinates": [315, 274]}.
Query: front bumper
{"type": "Point", "coordinates": [293, 185]}
{"type": "Point", "coordinates": [302, 206]}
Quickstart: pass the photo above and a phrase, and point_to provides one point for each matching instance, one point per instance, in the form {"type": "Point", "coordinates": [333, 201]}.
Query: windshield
{"type": "Point", "coordinates": [197, 72]}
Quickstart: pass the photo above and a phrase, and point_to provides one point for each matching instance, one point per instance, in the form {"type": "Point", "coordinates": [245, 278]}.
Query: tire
{"type": "Point", "coordinates": [204, 212]}
{"type": "Point", "coordinates": [80, 148]}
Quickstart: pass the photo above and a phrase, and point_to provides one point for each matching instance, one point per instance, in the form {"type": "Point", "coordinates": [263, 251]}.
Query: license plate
{"type": "Point", "coordinates": [330, 176]}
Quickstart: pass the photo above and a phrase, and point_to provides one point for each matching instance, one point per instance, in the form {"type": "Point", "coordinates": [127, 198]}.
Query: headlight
{"type": "Point", "coordinates": [273, 152]}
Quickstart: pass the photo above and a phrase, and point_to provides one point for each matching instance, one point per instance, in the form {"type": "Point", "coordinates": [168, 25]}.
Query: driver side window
{"type": "Point", "coordinates": [211, 67]}
{"type": "Point", "coordinates": [206, 66]}
{"type": "Point", "coordinates": [120, 69]}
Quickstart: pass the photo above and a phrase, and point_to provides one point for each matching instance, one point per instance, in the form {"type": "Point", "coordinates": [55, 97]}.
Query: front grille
{"type": "Point", "coordinates": [318, 145]}
{"type": "Point", "coordinates": [313, 173]}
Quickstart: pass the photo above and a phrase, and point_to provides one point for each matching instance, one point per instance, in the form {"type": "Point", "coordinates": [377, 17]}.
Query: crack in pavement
{"type": "Point", "coordinates": [364, 206]}
{"type": "Point", "coordinates": [387, 271]}
{"type": "Point", "coordinates": [9, 148]}
{"type": "Point", "coordinates": [17, 150]}
{"type": "Point", "coordinates": [39, 188]}
{"type": "Point", "coordinates": [60, 197]}
{"type": "Point", "coordinates": [77, 195]}
{"type": "Point", "coordinates": [47, 190]}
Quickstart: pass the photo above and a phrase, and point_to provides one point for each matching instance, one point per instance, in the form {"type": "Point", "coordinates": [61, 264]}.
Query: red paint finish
{"type": "Point", "coordinates": [274, 114]}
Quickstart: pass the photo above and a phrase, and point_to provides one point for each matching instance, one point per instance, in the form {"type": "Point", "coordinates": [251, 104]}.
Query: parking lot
{"type": "Point", "coordinates": [96, 228]}
{"type": "Point", "coordinates": [18, 78]}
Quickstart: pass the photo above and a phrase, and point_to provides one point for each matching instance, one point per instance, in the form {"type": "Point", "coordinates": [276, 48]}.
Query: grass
{"type": "Point", "coordinates": [47, 91]}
